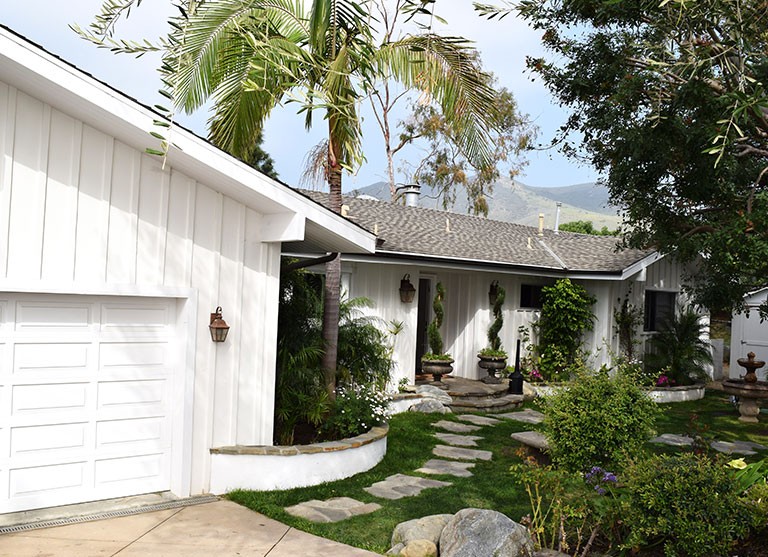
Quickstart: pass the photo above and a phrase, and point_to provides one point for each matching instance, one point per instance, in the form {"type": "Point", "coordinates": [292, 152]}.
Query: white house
{"type": "Point", "coordinates": [468, 253]}
{"type": "Point", "coordinates": [749, 333]}
{"type": "Point", "coordinates": [110, 266]}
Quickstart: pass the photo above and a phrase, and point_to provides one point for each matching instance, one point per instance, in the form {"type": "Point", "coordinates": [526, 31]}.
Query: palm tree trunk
{"type": "Point", "coordinates": [332, 290]}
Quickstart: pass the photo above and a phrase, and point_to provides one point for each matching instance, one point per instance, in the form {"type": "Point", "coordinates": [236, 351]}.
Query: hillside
{"type": "Point", "coordinates": [513, 201]}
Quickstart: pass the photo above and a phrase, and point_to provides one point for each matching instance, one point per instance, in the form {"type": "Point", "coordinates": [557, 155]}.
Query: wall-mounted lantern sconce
{"type": "Point", "coordinates": [407, 291]}
{"type": "Point", "coordinates": [493, 292]}
{"type": "Point", "coordinates": [218, 327]}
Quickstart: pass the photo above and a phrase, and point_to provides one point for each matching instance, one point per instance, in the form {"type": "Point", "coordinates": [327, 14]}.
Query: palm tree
{"type": "Point", "coordinates": [249, 56]}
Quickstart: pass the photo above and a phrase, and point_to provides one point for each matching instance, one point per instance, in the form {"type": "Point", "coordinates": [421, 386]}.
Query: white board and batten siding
{"type": "Point", "coordinates": [98, 222]}
{"type": "Point", "coordinates": [749, 333]}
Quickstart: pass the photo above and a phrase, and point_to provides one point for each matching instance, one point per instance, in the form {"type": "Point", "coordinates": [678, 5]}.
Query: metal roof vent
{"type": "Point", "coordinates": [411, 193]}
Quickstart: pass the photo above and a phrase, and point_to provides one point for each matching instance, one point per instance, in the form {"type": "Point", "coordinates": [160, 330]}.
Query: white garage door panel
{"type": "Point", "coordinates": [36, 316]}
{"type": "Point", "coordinates": [86, 389]}
{"type": "Point", "coordinates": [50, 357]}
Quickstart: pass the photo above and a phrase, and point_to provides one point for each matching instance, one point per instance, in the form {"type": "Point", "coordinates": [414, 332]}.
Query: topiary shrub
{"type": "Point", "coordinates": [434, 337]}
{"type": "Point", "coordinates": [494, 340]}
{"type": "Point", "coordinates": [597, 421]}
{"type": "Point", "coordinates": [687, 502]}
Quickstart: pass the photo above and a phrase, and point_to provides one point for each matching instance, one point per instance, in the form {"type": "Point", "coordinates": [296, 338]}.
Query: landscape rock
{"type": "Point", "coordinates": [425, 528]}
{"type": "Point", "coordinates": [396, 550]}
{"type": "Point", "coordinates": [529, 391]}
{"type": "Point", "coordinates": [480, 532]}
{"type": "Point", "coordinates": [419, 548]}
{"type": "Point", "coordinates": [430, 391]}
{"type": "Point", "coordinates": [429, 406]}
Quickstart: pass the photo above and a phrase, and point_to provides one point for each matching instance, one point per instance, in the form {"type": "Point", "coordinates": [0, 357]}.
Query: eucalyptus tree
{"type": "Point", "coordinates": [249, 56]}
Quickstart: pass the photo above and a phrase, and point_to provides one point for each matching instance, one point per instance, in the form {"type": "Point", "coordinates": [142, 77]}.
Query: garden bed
{"type": "Point", "coordinates": [268, 468]}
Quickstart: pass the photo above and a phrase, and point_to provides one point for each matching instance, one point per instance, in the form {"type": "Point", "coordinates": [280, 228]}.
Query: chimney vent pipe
{"type": "Point", "coordinates": [411, 193]}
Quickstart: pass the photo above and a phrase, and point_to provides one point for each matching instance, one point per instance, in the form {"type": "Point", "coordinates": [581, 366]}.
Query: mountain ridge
{"type": "Point", "coordinates": [514, 201]}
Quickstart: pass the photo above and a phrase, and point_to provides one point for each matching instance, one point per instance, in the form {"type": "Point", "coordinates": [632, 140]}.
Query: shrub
{"type": "Point", "coordinates": [494, 341]}
{"type": "Point", "coordinates": [356, 410]}
{"type": "Point", "coordinates": [688, 502]}
{"type": "Point", "coordinates": [678, 349]}
{"type": "Point", "coordinates": [597, 421]}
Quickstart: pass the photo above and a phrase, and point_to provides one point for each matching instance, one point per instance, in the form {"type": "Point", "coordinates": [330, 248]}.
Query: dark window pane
{"type": "Point", "coordinates": [530, 296]}
{"type": "Point", "coordinates": [658, 306]}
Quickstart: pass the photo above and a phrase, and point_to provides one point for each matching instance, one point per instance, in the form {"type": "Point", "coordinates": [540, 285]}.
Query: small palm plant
{"type": "Point", "coordinates": [679, 349]}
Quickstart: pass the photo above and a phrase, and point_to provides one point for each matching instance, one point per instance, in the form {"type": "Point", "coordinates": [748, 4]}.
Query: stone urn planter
{"type": "Point", "coordinates": [437, 368]}
{"type": "Point", "coordinates": [684, 393]}
{"type": "Point", "coordinates": [493, 365]}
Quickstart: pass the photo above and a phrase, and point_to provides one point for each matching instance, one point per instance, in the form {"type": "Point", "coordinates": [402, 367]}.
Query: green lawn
{"type": "Point", "coordinates": [410, 444]}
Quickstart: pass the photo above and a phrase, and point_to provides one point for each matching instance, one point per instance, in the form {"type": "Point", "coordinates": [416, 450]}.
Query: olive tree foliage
{"type": "Point", "coordinates": [667, 99]}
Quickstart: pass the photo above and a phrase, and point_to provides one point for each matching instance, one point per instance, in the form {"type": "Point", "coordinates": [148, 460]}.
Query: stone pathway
{"type": "Point", "coordinates": [401, 485]}
{"type": "Point", "coordinates": [332, 510]}
{"type": "Point", "coordinates": [727, 447]}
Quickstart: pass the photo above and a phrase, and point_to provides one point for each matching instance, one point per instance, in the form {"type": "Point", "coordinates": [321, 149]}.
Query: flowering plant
{"type": "Point", "coordinates": [533, 375]}
{"type": "Point", "coordinates": [600, 479]}
{"type": "Point", "coordinates": [665, 381]}
{"type": "Point", "coordinates": [356, 410]}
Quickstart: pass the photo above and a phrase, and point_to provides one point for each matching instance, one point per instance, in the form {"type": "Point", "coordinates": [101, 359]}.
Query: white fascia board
{"type": "Point", "coordinates": [68, 89]}
{"type": "Point", "coordinates": [641, 265]}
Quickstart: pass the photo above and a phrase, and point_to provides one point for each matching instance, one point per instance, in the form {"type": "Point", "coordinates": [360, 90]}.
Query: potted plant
{"type": "Point", "coordinates": [493, 358]}
{"type": "Point", "coordinates": [436, 361]}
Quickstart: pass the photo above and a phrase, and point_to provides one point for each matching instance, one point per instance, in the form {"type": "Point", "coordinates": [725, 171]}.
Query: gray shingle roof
{"type": "Point", "coordinates": [430, 233]}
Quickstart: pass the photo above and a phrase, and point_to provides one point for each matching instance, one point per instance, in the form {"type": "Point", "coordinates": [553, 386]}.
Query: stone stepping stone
{"type": "Point", "coordinates": [460, 440]}
{"type": "Point", "coordinates": [673, 439]}
{"type": "Point", "coordinates": [478, 420]}
{"type": "Point", "coordinates": [533, 439]}
{"type": "Point", "coordinates": [331, 510]}
{"type": "Point", "coordinates": [458, 453]}
{"type": "Point", "coordinates": [447, 467]}
{"type": "Point", "coordinates": [398, 486]}
{"type": "Point", "coordinates": [527, 416]}
{"type": "Point", "coordinates": [736, 447]}
{"type": "Point", "coordinates": [455, 427]}
{"type": "Point", "coordinates": [728, 447]}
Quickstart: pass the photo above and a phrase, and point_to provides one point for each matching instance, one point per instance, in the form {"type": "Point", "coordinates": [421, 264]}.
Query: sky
{"type": "Point", "coordinates": [503, 45]}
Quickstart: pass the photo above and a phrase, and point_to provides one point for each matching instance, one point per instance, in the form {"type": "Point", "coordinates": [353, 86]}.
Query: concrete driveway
{"type": "Point", "coordinates": [220, 528]}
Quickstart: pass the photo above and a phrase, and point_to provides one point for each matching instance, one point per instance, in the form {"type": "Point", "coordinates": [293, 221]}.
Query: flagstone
{"type": "Point", "coordinates": [459, 453]}
{"type": "Point", "coordinates": [460, 440]}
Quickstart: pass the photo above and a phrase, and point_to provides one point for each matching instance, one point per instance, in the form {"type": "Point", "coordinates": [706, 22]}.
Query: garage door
{"type": "Point", "coordinates": [85, 398]}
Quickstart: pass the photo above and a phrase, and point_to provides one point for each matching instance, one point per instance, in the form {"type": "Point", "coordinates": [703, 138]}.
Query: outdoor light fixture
{"type": "Point", "coordinates": [515, 386]}
{"type": "Point", "coordinates": [218, 327]}
{"type": "Point", "coordinates": [493, 292]}
{"type": "Point", "coordinates": [407, 291]}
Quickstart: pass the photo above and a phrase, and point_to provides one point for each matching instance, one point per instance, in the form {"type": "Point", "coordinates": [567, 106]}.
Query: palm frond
{"type": "Point", "coordinates": [446, 69]}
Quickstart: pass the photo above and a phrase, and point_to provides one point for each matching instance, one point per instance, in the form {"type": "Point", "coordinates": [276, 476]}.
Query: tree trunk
{"type": "Point", "coordinates": [332, 290]}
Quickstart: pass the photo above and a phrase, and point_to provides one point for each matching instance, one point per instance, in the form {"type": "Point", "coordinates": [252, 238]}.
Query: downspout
{"type": "Point", "coordinates": [307, 263]}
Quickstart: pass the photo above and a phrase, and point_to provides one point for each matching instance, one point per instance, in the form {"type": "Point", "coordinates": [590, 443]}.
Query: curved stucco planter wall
{"type": "Point", "coordinates": [677, 394]}
{"type": "Point", "coordinates": [268, 468]}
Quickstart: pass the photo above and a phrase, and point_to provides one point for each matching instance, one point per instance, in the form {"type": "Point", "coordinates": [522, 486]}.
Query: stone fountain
{"type": "Point", "coordinates": [748, 388]}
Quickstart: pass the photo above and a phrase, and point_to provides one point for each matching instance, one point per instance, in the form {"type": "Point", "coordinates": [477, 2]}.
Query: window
{"type": "Point", "coordinates": [530, 296]}
{"type": "Point", "coordinates": [658, 306]}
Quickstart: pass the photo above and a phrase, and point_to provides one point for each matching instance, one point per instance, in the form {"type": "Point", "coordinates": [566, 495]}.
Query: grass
{"type": "Point", "coordinates": [410, 445]}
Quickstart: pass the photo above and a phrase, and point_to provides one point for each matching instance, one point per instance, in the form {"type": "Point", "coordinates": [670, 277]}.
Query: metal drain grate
{"type": "Point", "coordinates": [110, 514]}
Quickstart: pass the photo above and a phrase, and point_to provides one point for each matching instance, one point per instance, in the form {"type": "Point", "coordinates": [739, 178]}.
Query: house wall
{"type": "Point", "coordinates": [468, 312]}
{"type": "Point", "coordinates": [749, 334]}
{"type": "Point", "coordinates": [83, 212]}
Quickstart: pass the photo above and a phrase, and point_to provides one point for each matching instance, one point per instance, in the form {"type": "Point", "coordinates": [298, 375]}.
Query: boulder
{"type": "Point", "coordinates": [419, 548]}
{"type": "Point", "coordinates": [396, 549]}
{"type": "Point", "coordinates": [529, 391]}
{"type": "Point", "coordinates": [425, 528]}
{"type": "Point", "coordinates": [430, 391]}
{"type": "Point", "coordinates": [482, 533]}
{"type": "Point", "coordinates": [429, 406]}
